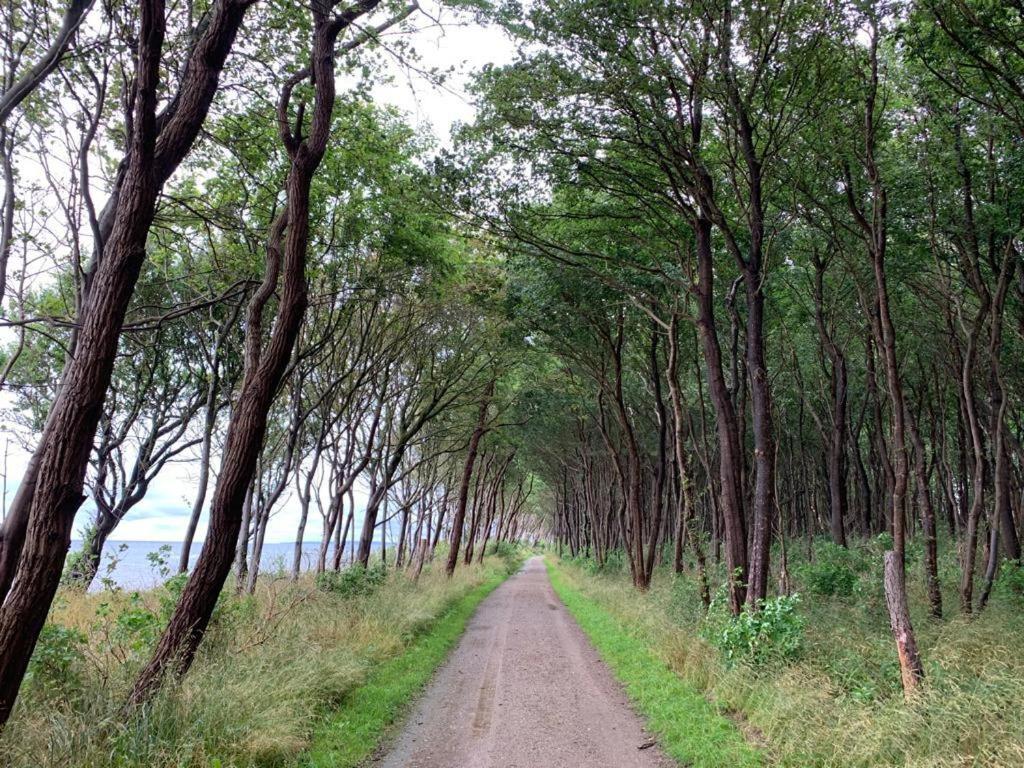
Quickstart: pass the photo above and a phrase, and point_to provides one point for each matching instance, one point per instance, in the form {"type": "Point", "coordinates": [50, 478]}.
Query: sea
{"type": "Point", "coordinates": [139, 565]}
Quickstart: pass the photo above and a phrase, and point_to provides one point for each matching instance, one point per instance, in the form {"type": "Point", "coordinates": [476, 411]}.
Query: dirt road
{"type": "Point", "coordinates": [523, 689]}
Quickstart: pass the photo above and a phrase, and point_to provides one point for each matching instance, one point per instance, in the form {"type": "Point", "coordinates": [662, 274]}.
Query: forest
{"type": "Point", "coordinates": [715, 306]}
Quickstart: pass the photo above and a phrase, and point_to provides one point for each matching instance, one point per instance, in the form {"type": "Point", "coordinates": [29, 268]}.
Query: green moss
{"type": "Point", "coordinates": [689, 728]}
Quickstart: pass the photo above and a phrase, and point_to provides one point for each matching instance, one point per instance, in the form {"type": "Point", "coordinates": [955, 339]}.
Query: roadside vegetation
{"type": "Point", "coordinates": [724, 300]}
{"type": "Point", "coordinates": [819, 685]}
{"type": "Point", "coordinates": [290, 667]}
{"type": "Point", "coordinates": [688, 727]}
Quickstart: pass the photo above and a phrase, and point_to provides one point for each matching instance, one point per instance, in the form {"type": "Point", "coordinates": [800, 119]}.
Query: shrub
{"type": "Point", "coordinates": [511, 554]}
{"type": "Point", "coordinates": [126, 630]}
{"type": "Point", "coordinates": [1011, 578]}
{"type": "Point", "coordinates": [353, 581]}
{"type": "Point", "coordinates": [56, 661]}
{"type": "Point", "coordinates": [835, 571]}
{"type": "Point", "coordinates": [614, 562]}
{"type": "Point", "coordinates": [170, 594]}
{"type": "Point", "coordinates": [772, 634]}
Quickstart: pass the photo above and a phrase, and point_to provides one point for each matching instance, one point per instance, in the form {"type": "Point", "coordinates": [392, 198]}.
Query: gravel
{"type": "Point", "coordinates": [523, 689]}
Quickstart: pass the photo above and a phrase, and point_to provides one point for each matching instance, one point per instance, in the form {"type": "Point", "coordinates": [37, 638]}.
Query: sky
{"type": "Point", "coordinates": [443, 41]}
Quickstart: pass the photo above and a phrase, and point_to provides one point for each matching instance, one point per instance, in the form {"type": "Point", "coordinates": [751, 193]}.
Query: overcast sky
{"type": "Point", "coordinates": [454, 43]}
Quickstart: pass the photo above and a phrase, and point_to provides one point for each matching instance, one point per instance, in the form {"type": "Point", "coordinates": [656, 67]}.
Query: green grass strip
{"type": "Point", "coordinates": [688, 727]}
{"type": "Point", "coordinates": [357, 728]}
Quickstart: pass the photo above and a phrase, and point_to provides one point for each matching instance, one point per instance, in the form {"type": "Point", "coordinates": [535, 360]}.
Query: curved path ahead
{"type": "Point", "coordinates": [523, 689]}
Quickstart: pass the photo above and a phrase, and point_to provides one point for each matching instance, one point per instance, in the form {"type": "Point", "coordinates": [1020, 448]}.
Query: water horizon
{"type": "Point", "coordinates": [146, 564]}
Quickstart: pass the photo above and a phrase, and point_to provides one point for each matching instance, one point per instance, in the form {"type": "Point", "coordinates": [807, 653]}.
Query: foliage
{"type": "Point", "coordinates": [126, 629]}
{"type": "Point", "coordinates": [56, 664]}
{"type": "Point", "coordinates": [511, 554]}
{"type": "Point", "coordinates": [353, 581]}
{"type": "Point", "coordinates": [772, 634]}
{"type": "Point", "coordinates": [614, 562]}
{"type": "Point", "coordinates": [1011, 579]}
{"type": "Point", "coordinates": [170, 593]}
{"type": "Point", "coordinates": [834, 570]}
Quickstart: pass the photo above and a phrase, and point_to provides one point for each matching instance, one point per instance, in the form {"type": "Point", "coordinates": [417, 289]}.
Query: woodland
{"type": "Point", "coordinates": [718, 304]}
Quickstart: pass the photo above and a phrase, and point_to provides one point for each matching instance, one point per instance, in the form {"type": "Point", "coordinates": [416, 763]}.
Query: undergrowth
{"type": "Point", "coordinates": [837, 700]}
{"type": "Point", "coordinates": [272, 669]}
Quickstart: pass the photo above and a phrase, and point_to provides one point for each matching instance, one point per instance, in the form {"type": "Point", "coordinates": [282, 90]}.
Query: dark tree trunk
{"type": "Point", "coordinates": [263, 370]}
{"type": "Point", "coordinates": [731, 500]}
{"type": "Point", "coordinates": [459, 519]}
{"type": "Point", "coordinates": [156, 148]}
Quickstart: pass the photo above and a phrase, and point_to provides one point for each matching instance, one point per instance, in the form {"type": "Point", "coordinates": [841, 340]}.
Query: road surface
{"type": "Point", "coordinates": [523, 689]}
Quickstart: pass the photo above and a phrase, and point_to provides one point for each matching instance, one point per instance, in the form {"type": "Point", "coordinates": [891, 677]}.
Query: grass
{"type": "Point", "coordinates": [267, 684]}
{"type": "Point", "coordinates": [840, 703]}
{"type": "Point", "coordinates": [689, 728]}
{"type": "Point", "coordinates": [364, 719]}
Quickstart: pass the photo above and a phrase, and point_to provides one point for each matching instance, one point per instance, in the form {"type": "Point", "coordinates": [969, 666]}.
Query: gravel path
{"type": "Point", "coordinates": [523, 689]}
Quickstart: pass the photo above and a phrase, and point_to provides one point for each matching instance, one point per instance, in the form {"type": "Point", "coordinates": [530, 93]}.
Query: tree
{"type": "Point", "coordinates": [50, 494]}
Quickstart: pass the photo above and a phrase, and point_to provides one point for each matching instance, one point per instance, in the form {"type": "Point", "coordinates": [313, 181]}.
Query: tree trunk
{"type": "Point", "coordinates": [911, 669]}
{"type": "Point", "coordinates": [263, 371]}
{"type": "Point", "coordinates": [459, 520]}
{"type": "Point", "coordinates": [731, 499]}
{"type": "Point", "coordinates": [156, 148]}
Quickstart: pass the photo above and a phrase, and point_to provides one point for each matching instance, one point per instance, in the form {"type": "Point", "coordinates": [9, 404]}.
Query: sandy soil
{"type": "Point", "coordinates": [523, 689]}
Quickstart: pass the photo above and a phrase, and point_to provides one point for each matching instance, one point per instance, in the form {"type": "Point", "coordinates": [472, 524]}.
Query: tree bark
{"type": "Point", "coordinates": [459, 519]}
{"type": "Point", "coordinates": [263, 371]}
{"type": "Point", "coordinates": [54, 491]}
{"type": "Point", "coordinates": [911, 669]}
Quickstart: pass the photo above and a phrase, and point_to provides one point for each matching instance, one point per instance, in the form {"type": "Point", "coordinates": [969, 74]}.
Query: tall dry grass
{"type": "Point", "coordinates": [840, 702]}
{"type": "Point", "coordinates": [272, 665]}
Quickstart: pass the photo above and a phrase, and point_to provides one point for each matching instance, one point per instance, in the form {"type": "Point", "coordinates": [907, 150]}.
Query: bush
{"type": "Point", "coordinates": [126, 630]}
{"type": "Point", "coordinates": [772, 634]}
{"type": "Point", "coordinates": [834, 571]}
{"type": "Point", "coordinates": [1011, 578]}
{"type": "Point", "coordinates": [56, 662]}
{"type": "Point", "coordinates": [614, 562]}
{"type": "Point", "coordinates": [353, 581]}
{"type": "Point", "coordinates": [170, 595]}
{"type": "Point", "coordinates": [511, 554]}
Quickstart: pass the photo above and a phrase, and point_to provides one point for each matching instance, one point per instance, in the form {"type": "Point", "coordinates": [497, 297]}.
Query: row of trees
{"type": "Point", "coordinates": [759, 278]}
{"type": "Point", "coordinates": [775, 252]}
{"type": "Point", "coordinates": [269, 293]}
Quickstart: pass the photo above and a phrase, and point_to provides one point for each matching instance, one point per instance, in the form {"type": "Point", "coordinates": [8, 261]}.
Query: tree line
{"type": "Point", "coordinates": [774, 250]}
{"type": "Point", "coordinates": [246, 269]}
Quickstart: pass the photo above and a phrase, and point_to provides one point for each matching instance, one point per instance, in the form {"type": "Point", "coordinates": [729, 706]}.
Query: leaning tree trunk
{"type": "Point", "coordinates": [203, 483]}
{"type": "Point", "coordinates": [459, 520]}
{"type": "Point", "coordinates": [911, 670]}
{"type": "Point", "coordinates": [263, 371]}
{"type": "Point", "coordinates": [156, 148]}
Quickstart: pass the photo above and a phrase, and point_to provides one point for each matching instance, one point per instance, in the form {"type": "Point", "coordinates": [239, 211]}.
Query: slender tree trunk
{"type": "Point", "coordinates": [203, 483]}
{"type": "Point", "coordinates": [263, 369]}
{"type": "Point", "coordinates": [731, 499]}
{"type": "Point", "coordinates": [459, 520]}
